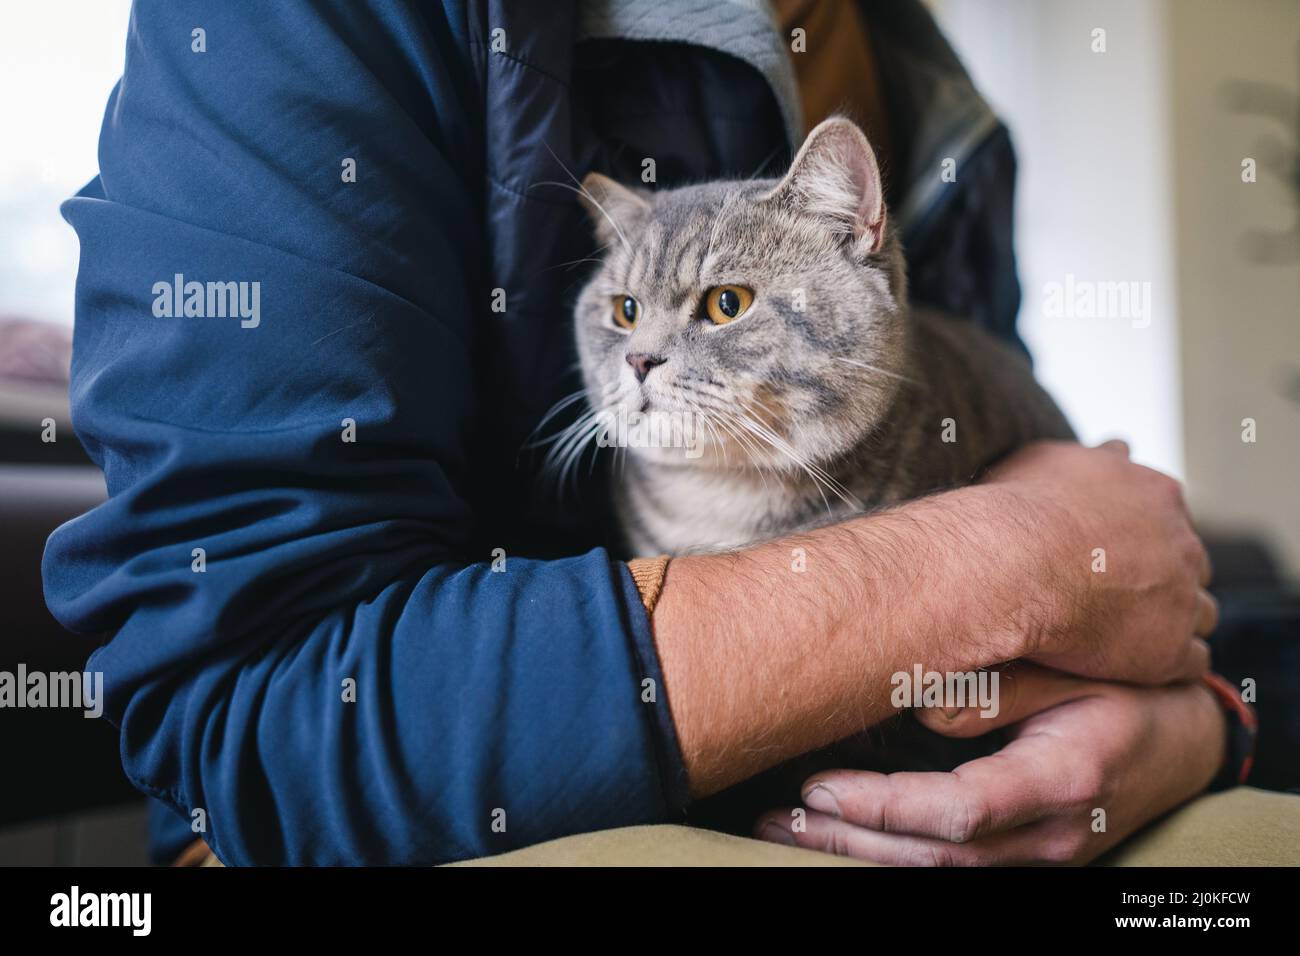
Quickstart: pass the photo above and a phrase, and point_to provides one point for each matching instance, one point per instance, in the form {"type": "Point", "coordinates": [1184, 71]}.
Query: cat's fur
{"type": "Point", "coordinates": [809, 415]}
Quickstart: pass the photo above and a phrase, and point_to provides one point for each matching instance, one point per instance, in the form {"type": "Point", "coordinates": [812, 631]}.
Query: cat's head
{"type": "Point", "coordinates": [762, 320]}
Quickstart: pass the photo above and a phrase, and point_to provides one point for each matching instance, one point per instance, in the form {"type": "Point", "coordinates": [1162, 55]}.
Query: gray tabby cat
{"type": "Point", "coordinates": [766, 322]}
{"type": "Point", "coordinates": [764, 326]}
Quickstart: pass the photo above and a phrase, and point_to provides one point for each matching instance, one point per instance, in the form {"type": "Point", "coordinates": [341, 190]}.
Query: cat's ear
{"type": "Point", "coordinates": [614, 209]}
{"type": "Point", "coordinates": [835, 176]}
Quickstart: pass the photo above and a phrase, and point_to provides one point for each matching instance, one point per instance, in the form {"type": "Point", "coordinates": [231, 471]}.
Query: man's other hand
{"type": "Point", "coordinates": [1087, 764]}
{"type": "Point", "coordinates": [1118, 588]}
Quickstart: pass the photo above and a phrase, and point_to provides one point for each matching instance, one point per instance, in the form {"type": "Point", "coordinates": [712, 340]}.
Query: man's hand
{"type": "Point", "coordinates": [787, 646]}
{"type": "Point", "coordinates": [1087, 764]}
{"type": "Point", "coordinates": [1141, 619]}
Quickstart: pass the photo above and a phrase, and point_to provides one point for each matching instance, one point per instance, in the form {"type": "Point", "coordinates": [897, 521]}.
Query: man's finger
{"type": "Point", "coordinates": [1058, 841]}
{"type": "Point", "coordinates": [1021, 691]}
{"type": "Point", "coordinates": [1017, 785]}
{"type": "Point", "coordinates": [1207, 614]}
{"type": "Point", "coordinates": [1196, 662]}
{"type": "Point", "coordinates": [1116, 445]}
{"type": "Point", "coordinates": [1206, 574]}
{"type": "Point", "coordinates": [818, 831]}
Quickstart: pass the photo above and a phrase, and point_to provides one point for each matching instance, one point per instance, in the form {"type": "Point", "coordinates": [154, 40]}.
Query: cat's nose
{"type": "Point", "coordinates": [643, 362]}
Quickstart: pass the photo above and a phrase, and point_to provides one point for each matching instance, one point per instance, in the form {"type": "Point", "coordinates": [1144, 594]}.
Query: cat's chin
{"type": "Point", "coordinates": [693, 456]}
{"type": "Point", "coordinates": [654, 432]}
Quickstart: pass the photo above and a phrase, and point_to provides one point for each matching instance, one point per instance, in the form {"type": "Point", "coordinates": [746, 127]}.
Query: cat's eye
{"type": "Point", "coordinates": [726, 303]}
{"type": "Point", "coordinates": [626, 311]}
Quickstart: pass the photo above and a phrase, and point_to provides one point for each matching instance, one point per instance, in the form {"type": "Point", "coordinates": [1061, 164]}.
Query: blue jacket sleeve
{"type": "Point", "coordinates": [300, 646]}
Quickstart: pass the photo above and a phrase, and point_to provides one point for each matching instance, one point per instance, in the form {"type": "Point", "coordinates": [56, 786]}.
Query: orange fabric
{"type": "Point", "coordinates": [196, 854]}
{"type": "Point", "coordinates": [648, 573]}
{"type": "Point", "coordinates": [837, 72]}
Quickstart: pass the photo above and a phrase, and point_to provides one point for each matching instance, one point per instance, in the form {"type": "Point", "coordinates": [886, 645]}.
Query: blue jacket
{"type": "Point", "coordinates": [306, 639]}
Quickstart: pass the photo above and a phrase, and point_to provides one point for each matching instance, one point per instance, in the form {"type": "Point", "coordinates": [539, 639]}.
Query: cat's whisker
{"type": "Point", "coordinates": [874, 368]}
{"type": "Point", "coordinates": [818, 483]}
{"type": "Point", "coordinates": [713, 232]}
{"type": "Point", "coordinates": [822, 478]}
{"type": "Point", "coordinates": [582, 190]}
{"type": "Point", "coordinates": [745, 441]}
{"type": "Point", "coordinates": [570, 264]}
{"type": "Point", "coordinates": [578, 446]}
{"type": "Point", "coordinates": [572, 442]}
{"type": "Point", "coordinates": [751, 448]}
{"type": "Point", "coordinates": [553, 411]}
{"type": "Point", "coordinates": [557, 463]}
{"type": "Point", "coordinates": [709, 421]}
{"type": "Point", "coordinates": [763, 165]}
{"type": "Point", "coordinates": [719, 442]}
{"type": "Point", "coordinates": [561, 438]}
{"type": "Point", "coordinates": [595, 255]}
{"type": "Point", "coordinates": [772, 417]}
{"type": "Point", "coordinates": [703, 417]}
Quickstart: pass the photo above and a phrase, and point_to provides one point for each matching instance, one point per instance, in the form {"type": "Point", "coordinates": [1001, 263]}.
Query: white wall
{"type": "Point", "coordinates": [1093, 200]}
{"type": "Point", "coordinates": [59, 60]}
{"type": "Point", "coordinates": [1131, 169]}
{"type": "Point", "coordinates": [1238, 255]}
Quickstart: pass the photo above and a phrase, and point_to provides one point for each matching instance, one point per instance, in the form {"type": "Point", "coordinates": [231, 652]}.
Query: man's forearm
{"type": "Point", "coordinates": [764, 661]}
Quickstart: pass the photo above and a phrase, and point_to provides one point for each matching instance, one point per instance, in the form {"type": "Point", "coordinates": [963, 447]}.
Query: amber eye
{"type": "Point", "coordinates": [726, 303]}
{"type": "Point", "coordinates": [626, 311]}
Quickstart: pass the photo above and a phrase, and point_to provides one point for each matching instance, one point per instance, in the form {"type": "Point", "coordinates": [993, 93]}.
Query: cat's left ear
{"type": "Point", "coordinates": [835, 177]}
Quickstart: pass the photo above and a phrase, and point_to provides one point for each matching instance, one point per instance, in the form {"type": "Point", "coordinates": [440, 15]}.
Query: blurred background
{"type": "Point", "coordinates": [66, 800]}
{"type": "Point", "coordinates": [1131, 171]}
{"type": "Point", "coordinates": [1137, 146]}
